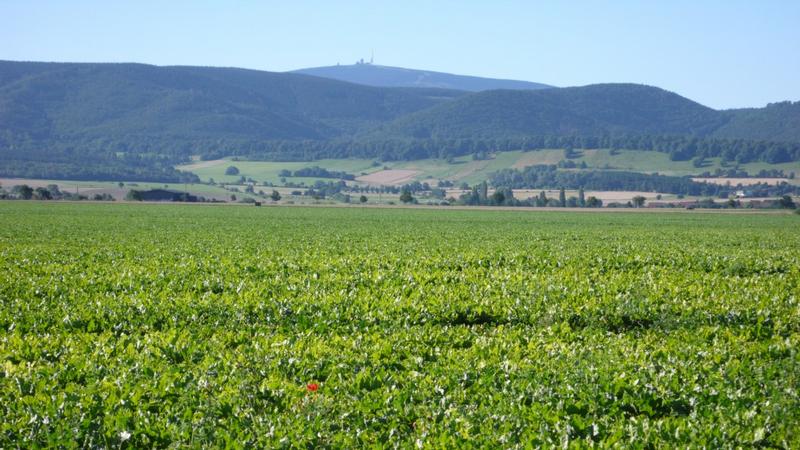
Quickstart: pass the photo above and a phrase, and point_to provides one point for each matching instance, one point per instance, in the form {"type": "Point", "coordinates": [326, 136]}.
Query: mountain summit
{"type": "Point", "coordinates": [386, 76]}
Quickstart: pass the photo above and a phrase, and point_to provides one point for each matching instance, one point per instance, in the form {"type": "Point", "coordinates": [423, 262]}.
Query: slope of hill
{"type": "Point", "coordinates": [59, 119]}
{"type": "Point", "coordinates": [385, 76]}
{"type": "Point", "coordinates": [775, 122]}
{"type": "Point", "coordinates": [110, 100]}
{"type": "Point", "coordinates": [590, 111]}
{"type": "Point", "coordinates": [89, 121]}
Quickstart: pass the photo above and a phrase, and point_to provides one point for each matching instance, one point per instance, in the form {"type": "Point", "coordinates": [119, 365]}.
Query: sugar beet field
{"type": "Point", "coordinates": [190, 326]}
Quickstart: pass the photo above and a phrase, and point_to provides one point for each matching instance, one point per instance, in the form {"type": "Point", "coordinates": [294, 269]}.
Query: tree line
{"type": "Point", "coordinates": [679, 148]}
{"type": "Point", "coordinates": [548, 176]}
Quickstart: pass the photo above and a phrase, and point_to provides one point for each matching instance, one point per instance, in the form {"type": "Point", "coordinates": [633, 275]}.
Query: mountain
{"type": "Point", "coordinates": [108, 101]}
{"type": "Point", "coordinates": [386, 76]}
{"type": "Point", "coordinates": [594, 110]}
{"type": "Point", "coordinates": [136, 121]}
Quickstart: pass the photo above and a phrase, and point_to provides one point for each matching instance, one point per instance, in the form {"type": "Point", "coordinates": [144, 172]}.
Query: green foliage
{"type": "Point", "coordinates": [232, 170]}
{"type": "Point", "coordinates": [594, 110]}
{"type": "Point", "coordinates": [156, 326]}
{"type": "Point", "coordinates": [23, 191]}
{"type": "Point", "coordinates": [136, 122]}
{"type": "Point", "coordinates": [776, 122]}
{"type": "Point", "coordinates": [134, 195]}
{"type": "Point", "coordinates": [406, 196]}
{"type": "Point", "coordinates": [548, 176]}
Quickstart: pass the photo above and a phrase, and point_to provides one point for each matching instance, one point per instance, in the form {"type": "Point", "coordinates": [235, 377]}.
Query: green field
{"type": "Point", "coordinates": [268, 171]}
{"type": "Point", "coordinates": [462, 169]}
{"type": "Point", "coordinates": [129, 325]}
{"type": "Point", "coordinates": [465, 170]}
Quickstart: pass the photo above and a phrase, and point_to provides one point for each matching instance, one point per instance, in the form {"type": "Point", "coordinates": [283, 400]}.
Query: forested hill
{"type": "Point", "coordinates": [386, 76]}
{"type": "Point", "coordinates": [129, 101]}
{"type": "Point", "coordinates": [597, 110]}
{"type": "Point", "coordinates": [82, 121]}
{"type": "Point", "coordinates": [777, 122]}
{"type": "Point", "coordinates": [136, 121]}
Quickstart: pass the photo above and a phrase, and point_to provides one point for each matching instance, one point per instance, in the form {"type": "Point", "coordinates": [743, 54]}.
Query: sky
{"type": "Point", "coordinates": [723, 54]}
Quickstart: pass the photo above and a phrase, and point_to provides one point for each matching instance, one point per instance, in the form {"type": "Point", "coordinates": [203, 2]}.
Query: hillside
{"type": "Point", "coordinates": [775, 122]}
{"type": "Point", "coordinates": [385, 76]}
{"type": "Point", "coordinates": [136, 122]}
{"type": "Point", "coordinates": [58, 119]}
{"type": "Point", "coordinates": [114, 100]}
{"type": "Point", "coordinates": [589, 111]}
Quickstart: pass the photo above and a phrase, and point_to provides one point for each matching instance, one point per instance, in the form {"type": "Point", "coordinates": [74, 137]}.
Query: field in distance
{"type": "Point", "coordinates": [466, 170]}
{"type": "Point", "coordinates": [182, 325]}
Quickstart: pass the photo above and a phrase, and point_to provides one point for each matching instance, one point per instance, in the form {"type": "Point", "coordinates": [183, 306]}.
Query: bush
{"type": "Point", "coordinates": [232, 170]}
{"type": "Point", "coordinates": [406, 196]}
{"type": "Point", "coordinates": [134, 195]}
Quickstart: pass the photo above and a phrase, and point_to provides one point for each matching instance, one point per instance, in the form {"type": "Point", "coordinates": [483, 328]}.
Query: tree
{"type": "Point", "coordinates": [406, 196]}
{"type": "Point", "coordinates": [134, 195]}
{"type": "Point", "coordinates": [594, 202]}
{"type": "Point", "coordinates": [638, 201]}
{"type": "Point", "coordinates": [24, 191]}
{"type": "Point", "coordinates": [498, 197]}
{"type": "Point", "coordinates": [43, 194]}
{"type": "Point", "coordinates": [275, 196]}
{"type": "Point", "coordinates": [581, 198]}
{"type": "Point", "coordinates": [562, 198]}
{"type": "Point", "coordinates": [363, 199]}
{"type": "Point", "coordinates": [232, 170]}
{"type": "Point", "coordinates": [541, 200]}
{"type": "Point", "coordinates": [787, 202]}
{"type": "Point", "coordinates": [699, 161]}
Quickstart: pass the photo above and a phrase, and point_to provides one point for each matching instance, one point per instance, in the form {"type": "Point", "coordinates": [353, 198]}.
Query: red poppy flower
{"type": "Point", "coordinates": [312, 387]}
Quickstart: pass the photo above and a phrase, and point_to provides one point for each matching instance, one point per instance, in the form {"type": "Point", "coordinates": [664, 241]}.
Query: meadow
{"type": "Point", "coordinates": [466, 170]}
{"type": "Point", "coordinates": [135, 325]}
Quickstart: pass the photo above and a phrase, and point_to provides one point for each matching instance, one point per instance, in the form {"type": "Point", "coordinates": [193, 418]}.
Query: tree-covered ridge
{"type": "Point", "coordinates": [81, 117]}
{"type": "Point", "coordinates": [776, 122]}
{"type": "Point", "coordinates": [117, 100]}
{"type": "Point", "coordinates": [584, 111]}
{"type": "Point", "coordinates": [112, 120]}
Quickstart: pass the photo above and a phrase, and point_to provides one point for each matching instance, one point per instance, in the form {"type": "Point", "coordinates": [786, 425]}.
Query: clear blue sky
{"type": "Point", "coordinates": [721, 53]}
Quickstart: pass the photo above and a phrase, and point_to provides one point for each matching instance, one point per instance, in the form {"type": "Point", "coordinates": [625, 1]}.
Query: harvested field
{"type": "Point", "coordinates": [537, 157]}
{"type": "Point", "coordinates": [389, 177]}
{"type": "Point", "coordinates": [203, 164]}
